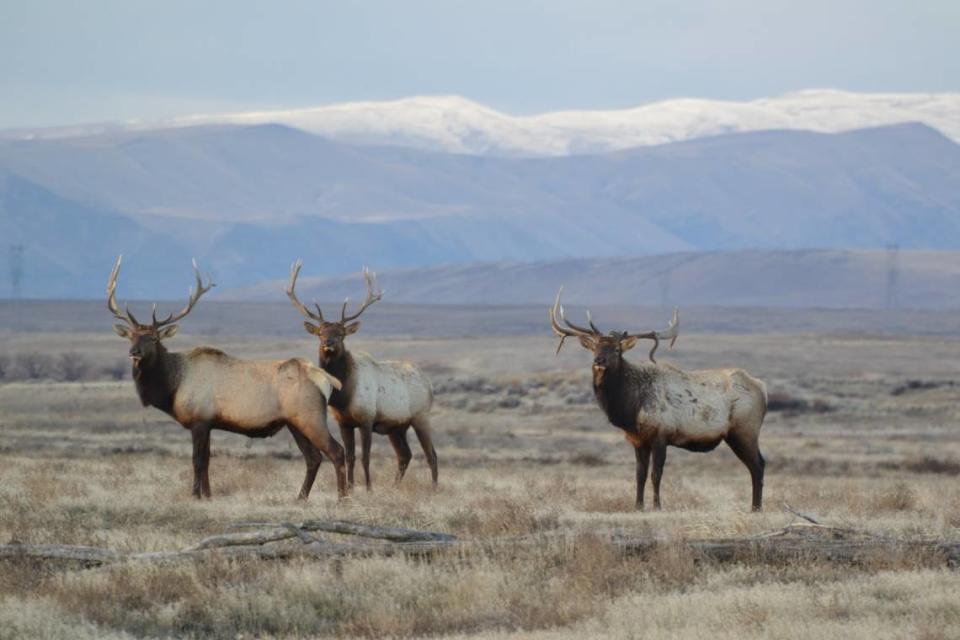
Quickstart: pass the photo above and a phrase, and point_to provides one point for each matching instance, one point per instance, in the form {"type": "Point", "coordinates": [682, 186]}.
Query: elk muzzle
{"type": "Point", "coordinates": [330, 347]}
{"type": "Point", "coordinates": [598, 371]}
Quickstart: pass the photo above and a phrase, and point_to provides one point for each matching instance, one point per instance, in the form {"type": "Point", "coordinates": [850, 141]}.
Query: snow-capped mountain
{"type": "Point", "coordinates": [457, 125]}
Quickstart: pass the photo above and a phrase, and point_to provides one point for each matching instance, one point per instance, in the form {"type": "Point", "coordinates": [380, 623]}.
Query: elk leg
{"type": "Point", "coordinates": [314, 429]}
{"type": "Point", "coordinates": [312, 458]}
{"type": "Point", "coordinates": [201, 459]}
{"type": "Point", "coordinates": [205, 479]}
{"type": "Point", "coordinates": [748, 450]}
{"type": "Point", "coordinates": [398, 438]}
{"type": "Point", "coordinates": [366, 440]}
{"type": "Point", "coordinates": [421, 426]}
{"type": "Point", "coordinates": [659, 458]}
{"type": "Point", "coordinates": [350, 445]}
{"type": "Point", "coordinates": [643, 463]}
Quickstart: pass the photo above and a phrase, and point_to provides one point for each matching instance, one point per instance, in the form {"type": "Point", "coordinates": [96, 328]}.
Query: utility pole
{"type": "Point", "coordinates": [16, 271]}
{"type": "Point", "coordinates": [16, 282]}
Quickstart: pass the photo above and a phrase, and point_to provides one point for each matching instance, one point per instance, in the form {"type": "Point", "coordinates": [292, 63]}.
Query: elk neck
{"type": "Point", "coordinates": [158, 381]}
{"type": "Point", "coordinates": [342, 369]}
{"type": "Point", "coordinates": [624, 391]}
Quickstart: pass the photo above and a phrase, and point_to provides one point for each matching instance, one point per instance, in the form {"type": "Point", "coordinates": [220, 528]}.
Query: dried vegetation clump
{"type": "Point", "coordinates": [920, 385]}
{"type": "Point", "coordinates": [782, 401]}
{"type": "Point", "coordinates": [62, 367]}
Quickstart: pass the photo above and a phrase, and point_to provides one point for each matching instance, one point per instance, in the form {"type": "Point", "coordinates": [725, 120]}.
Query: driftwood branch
{"type": "Point", "coordinates": [305, 537]}
{"type": "Point", "coordinates": [808, 518]}
{"type": "Point", "coordinates": [264, 536]}
{"type": "Point", "coordinates": [274, 532]}
{"type": "Point", "coordinates": [393, 534]}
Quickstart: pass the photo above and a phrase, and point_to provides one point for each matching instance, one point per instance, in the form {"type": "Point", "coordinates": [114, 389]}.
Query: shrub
{"type": "Point", "coordinates": [73, 366]}
{"type": "Point", "coordinates": [790, 404]}
{"type": "Point", "coordinates": [920, 385]}
{"type": "Point", "coordinates": [33, 366]}
{"type": "Point", "coordinates": [66, 366]}
{"type": "Point", "coordinates": [928, 464]}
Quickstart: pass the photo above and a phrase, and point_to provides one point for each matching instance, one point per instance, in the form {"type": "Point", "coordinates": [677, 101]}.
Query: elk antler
{"type": "Point", "coordinates": [571, 330]}
{"type": "Point", "coordinates": [671, 333]}
{"type": "Point", "coordinates": [372, 297]}
{"type": "Point", "coordinates": [124, 315]}
{"type": "Point", "coordinates": [294, 272]}
{"type": "Point", "coordinates": [195, 294]}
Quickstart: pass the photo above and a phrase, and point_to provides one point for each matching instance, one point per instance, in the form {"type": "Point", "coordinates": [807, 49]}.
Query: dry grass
{"type": "Point", "coordinates": [82, 463]}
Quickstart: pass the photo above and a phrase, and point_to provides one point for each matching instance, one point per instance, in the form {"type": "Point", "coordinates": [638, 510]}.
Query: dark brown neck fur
{"type": "Point", "coordinates": [157, 383]}
{"type": "Point", "coordinates": [623, 392]}
{"type": "Point", "coordinates": [342, 369]}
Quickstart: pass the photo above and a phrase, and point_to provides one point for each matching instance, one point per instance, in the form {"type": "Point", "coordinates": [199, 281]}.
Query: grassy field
{"type": "Point", "coordinates": [864, 434]}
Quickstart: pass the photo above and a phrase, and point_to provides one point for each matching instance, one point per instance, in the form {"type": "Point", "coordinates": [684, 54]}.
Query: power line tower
{"type": "Point", "coordinates": [893, 276]}
{"type": "Point", "coordinates": [16, 271]}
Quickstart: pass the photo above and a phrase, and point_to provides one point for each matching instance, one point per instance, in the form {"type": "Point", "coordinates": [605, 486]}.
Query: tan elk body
{"type": "Point", "coordinates": [206, 389]}
{"type": "Point", "coordinates": [386, 397]}
{"type": "Point", "coordinates": [658, 405]}
{"type": "Point", "coordinates": [384, 393]}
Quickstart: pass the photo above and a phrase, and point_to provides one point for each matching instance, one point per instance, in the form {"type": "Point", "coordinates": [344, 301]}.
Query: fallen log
{"type": "Point", "coordinates": [90, 556]}
{"type": "Point", "coordinates": [780, 550]}
{"type": "Point", "coordinates": [264, 536]}
{"type": "Point", "coordinates": [277, 531]}
{"type": "Point", "coordinates": [393, 534]}
{"type": "Point", "coordinates": [746, 550]}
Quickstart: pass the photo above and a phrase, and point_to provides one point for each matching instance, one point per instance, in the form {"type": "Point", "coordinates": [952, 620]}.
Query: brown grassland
{"type": "Point", "coordinates": [863, 433]}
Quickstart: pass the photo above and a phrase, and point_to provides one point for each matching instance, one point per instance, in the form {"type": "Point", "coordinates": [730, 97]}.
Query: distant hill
{"type": "Point", "coordinates": [69, 243]}
{"type": "Point", "coordinates": [247, 200]}
{"type": "Point", "coordinates": [791, 279]}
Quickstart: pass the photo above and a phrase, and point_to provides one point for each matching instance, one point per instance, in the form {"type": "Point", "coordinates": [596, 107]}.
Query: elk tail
{"type": "Point", "coordinates": [324, 381]}
{"type": "Point", "coordinates": [763, 391]}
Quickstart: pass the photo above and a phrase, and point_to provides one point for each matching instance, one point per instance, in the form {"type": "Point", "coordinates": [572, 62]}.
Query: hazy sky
{"type": "Point", "coordinates": [80, 61]}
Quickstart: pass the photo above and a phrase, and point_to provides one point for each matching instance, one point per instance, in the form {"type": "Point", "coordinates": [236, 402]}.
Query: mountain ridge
{"type": "Point", "coordinates": [245, 199]}
{"type": "Point", "coordinates": [456, 124]}
{"type": "Point", "coordinates": [749, 278]}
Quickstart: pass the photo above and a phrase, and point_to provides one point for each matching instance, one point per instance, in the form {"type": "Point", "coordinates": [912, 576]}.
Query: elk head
{"type": "Point", "coordinates": [145, 338]}
{"type": "Point", "coordinates": [607, 349]}
{"type": "Point", "coordinates": [332, 334]}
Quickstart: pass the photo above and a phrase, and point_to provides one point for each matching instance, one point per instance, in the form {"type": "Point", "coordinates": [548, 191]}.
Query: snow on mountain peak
{"type": "Point", "coordinates": [455, 124]}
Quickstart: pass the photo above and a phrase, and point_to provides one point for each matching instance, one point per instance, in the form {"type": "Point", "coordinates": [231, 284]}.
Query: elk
{"type": "Point", "coordinates": [207, 389]}
{"type": "Point", "coordinates": [657, 405]}
{"type": "Point", "coordinates": [385, 397]}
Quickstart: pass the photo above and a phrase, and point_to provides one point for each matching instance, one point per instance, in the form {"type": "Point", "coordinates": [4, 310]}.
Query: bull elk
{"type": "Point", "coordinates": [207, 389]}
{"type": "Point", "coordinates": [385, 397]}
{"type": "Point", "coordinates": [657, 405]}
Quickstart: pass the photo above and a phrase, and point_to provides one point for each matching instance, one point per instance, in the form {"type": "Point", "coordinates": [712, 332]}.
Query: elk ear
{"type": "Point", "coordinates": [351, 328]}
{"type": "Point", "coordinates": [588, 343]}
{"type": "Point", "coordinates": [311, 328]}
{"type": "Point", "coordinates": [122, 330]}
{"type": "Point", "coordinates": [628, 343]}
{"type": "Point", "coordinates": [167, 332]}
